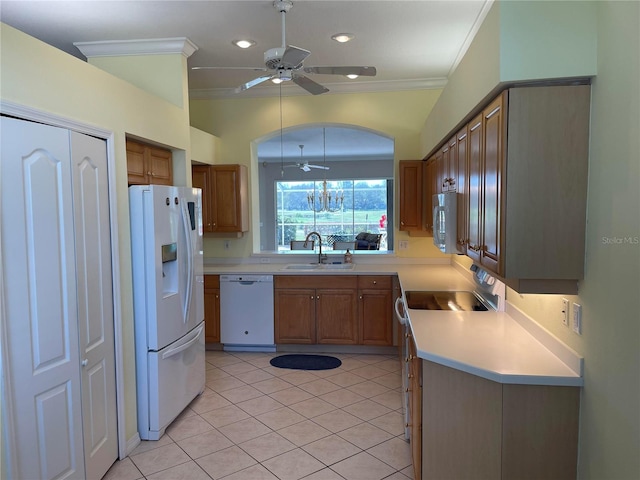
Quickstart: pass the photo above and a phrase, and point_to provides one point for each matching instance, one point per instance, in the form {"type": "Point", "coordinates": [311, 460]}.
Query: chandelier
{"type": "Point", "coordinates": [325, 200]}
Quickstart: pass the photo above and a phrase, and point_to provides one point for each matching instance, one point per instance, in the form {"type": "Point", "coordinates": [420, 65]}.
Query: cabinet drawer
{"type": "Point", "coordinates": [374, 281]}
{"type": "Point", "coordinates": [315, 281]}
{"type": "Point", "coordinates": [212, 281]}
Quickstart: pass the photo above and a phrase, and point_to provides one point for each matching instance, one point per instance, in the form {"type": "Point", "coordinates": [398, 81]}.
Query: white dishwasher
{"type": "Point", "coordinates": [246, 313]}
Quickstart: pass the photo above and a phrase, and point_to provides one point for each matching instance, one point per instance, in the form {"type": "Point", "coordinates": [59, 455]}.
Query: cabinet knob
{"type": "Point", "coordinates": [148, 173]}
{"type": "Point", "coordinates": [360, 297]}
{"type": "Point", "coordinates": [311, 297]}
{"type": "Point", "coordinates": [406, 390]}
{"type": "Point", "coordinates": [375, 282]}
{"type": "Point", "coordinates": [318, 297]}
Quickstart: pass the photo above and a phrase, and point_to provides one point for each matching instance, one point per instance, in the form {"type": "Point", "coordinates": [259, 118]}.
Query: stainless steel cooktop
{"type": "Point", "coordinates": [459, 301]}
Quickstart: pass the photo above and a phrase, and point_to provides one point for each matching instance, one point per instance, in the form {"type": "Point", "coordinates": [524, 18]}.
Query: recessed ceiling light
{"type": "Point", "coordinates": [353, 76]}
{"type": "Point", "coordinates": [342, 37]}
{"type": "Point", "coordinates": [244, 43]}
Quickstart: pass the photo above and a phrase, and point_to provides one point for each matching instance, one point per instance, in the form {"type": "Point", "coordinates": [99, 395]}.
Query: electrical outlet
{"type": "Point", "coordinates": [577, 318]}
{"type": "Point", "coordinates": [403, 244]}
{"type": "Point", "coordinates": [565, 312]}
{"type": "Point", "coordinates": [226, 244]}
{"type": "Point", "coordinates": [264, 259]}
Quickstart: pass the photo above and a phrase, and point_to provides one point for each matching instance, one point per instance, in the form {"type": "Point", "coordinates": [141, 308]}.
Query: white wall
{"type": "Point", "coordinates": [518, 40]}
{"type": "Point", "coordinates": [238, 122]}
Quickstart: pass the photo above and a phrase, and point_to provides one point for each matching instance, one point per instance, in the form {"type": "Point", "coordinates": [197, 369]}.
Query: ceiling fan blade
{"type": "Point", "coordinates": [318, 166]}
{"type": "Point", "coordinates": [253, 83]}
{"type": "Point", "coordinates": [305, 168]}
{"type": "Point", "coordinates": [255, 69]}
{"type": "Point", "coordinates": [309, 85]}
{"type": "Point", "coordinates": [361, 71]}
{"type": "Point", "coordinates": [293, 56]}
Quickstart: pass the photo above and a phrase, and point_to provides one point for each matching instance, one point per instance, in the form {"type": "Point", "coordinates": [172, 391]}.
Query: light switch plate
{"type": "Point", "coordinates": [565, 312]}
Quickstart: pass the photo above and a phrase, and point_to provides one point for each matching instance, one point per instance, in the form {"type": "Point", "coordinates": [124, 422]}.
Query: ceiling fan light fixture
{"type": "Point", "coordinates": [244, 43]}
{"type": "Point", "coordinates": [343, 37]}
{"type": "Point", "coordinates": [281, 76]}
{"type": "Point", "coordinates": [352, 76]}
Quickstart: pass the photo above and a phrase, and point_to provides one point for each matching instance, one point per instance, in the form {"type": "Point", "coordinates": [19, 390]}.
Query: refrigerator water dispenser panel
{"type": "Point", "coordinates": [169, 269]}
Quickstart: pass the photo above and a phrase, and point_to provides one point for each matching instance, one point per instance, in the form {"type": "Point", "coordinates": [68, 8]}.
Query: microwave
{"type": "Point", "coordinates": [445, 224]}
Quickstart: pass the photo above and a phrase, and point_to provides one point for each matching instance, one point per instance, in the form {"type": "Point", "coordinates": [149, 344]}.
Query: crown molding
{"type": "Point", "coordinates": [335, 88]}
{"type": "Point", "coordinates": [119, 48]}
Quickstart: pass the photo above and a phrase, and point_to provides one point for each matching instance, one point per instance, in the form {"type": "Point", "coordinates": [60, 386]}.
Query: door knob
{"type": "Point", "coordinates": [85, 362]}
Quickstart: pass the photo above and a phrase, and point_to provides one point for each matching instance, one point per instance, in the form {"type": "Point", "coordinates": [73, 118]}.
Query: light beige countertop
{"type": "Point", "coordinates": [505, 347]}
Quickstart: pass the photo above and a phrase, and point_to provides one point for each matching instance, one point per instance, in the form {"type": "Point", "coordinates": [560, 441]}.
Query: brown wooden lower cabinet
{"type": "Point", "coordinates": [475, 428]}
{"type": "Point", "coordinates": [316, 309]}
{"type": "Point", "coordinates": [212, 309]}
{"type": "Point", "coordinates": [375, 309]}
{"type": "Point", "coordinates": [333, 309]}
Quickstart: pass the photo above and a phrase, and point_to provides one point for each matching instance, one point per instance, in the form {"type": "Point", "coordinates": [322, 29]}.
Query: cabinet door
{"type": "Point", "coordinates": [375, 315]}
{"type": "Point", "coordinates": [200, 179]}
{"type": "Point", "coordinates": [475, 184]}
{"type": "Point", "coordinates": [336, 316]}
{"type": "Point", "coordinates": [452, 165]}
{"type": "Point", "coordinates": [136, 165]}
{"type": "Point", "coordinates": [212, 309]}
{"type": "Point", "coordinates": [160, 166]}
{"type": "Point", "coordinates": [442, 169]}
{"type": "Point", "coordinates": [411, 195]}
{"type": "Point", "coordinates": [492, 188]}
{"type": "Point", "coordinates": [462, 188]}
{"type": "Point", "coordinates": [430, 182]}
{"type": "Point", "coordinates": [226, 198]}
{"type": "Point", "coordinates": [295, 315]}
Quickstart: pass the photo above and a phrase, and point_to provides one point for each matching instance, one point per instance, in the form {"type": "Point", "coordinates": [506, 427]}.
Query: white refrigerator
{"type": "Point", "coordinates": [168, 297]}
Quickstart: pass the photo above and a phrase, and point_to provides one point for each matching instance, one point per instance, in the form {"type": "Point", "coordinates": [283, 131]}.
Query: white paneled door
{"type": "Point", "coordinates": [56, 250]}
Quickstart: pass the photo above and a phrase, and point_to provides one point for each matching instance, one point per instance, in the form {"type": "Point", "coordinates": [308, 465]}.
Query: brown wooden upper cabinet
{"type": "Point", "coordinates": [225, 203]}
{"type": "Point", "coordinates": [411, 195]}
{"type": "Point", "coordinates": [148, 165]}
{"type": "Point", "coordinates": [522, 182]}
{"type": "Point", "coordinates": [462, 188]}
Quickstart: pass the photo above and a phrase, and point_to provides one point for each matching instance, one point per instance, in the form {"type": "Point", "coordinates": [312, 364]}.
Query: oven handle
{"type": "Point", "coordinates": [401, 317]}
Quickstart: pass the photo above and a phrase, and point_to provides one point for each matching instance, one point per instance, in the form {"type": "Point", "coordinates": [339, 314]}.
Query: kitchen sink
{"type": "Point", "coordinates": [302, 266]}
{"type": "Point", "coordinates": [318, 266]}
{"type": "Point", "coordinates": [337, 266]}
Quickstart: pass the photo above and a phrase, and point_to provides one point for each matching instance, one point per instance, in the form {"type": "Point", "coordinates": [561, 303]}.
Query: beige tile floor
{"type": "Point", "coordinates": [255, 422]}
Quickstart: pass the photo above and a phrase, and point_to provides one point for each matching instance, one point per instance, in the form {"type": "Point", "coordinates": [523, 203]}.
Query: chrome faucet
{"type": "Point", "coordinates": [321, 258]}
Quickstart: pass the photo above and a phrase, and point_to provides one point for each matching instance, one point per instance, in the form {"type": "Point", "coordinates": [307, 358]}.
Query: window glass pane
{"type": "Point", "coordinates": [338, 210]}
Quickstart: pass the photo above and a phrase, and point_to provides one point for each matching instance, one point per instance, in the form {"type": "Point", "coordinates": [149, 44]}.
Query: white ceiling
{"type": "Point", "coordinates": [412, 44]}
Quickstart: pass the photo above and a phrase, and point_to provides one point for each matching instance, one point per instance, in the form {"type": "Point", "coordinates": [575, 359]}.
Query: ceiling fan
{"type": "Point", "coordinates": [305, 166]}
{"type": "Point", "coordinates": [286, 63]}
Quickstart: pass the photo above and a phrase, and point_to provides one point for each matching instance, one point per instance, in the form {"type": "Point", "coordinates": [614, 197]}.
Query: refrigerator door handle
{"type": "Point", "coordinates": [186, 221]}
{"type": "Point", "coordinates": [175, 350]}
